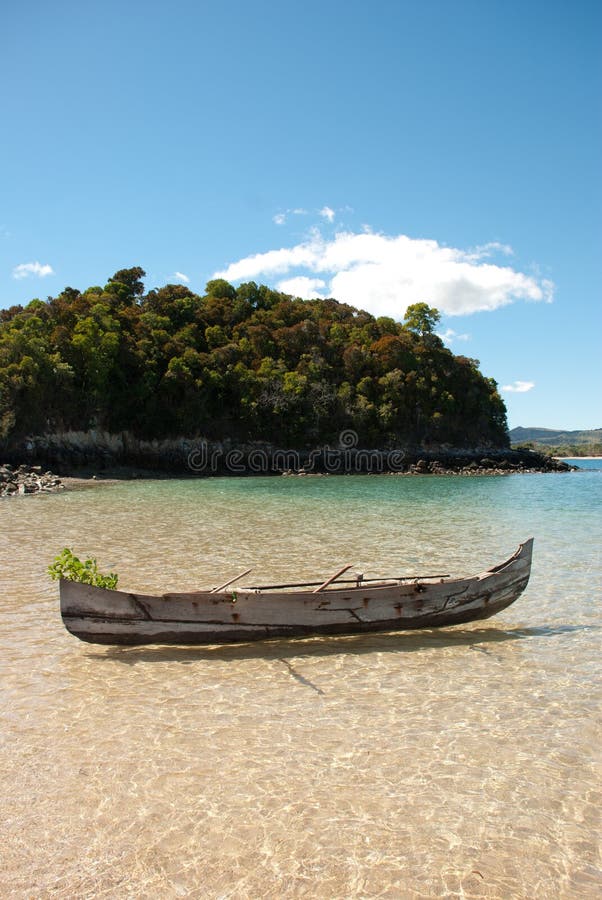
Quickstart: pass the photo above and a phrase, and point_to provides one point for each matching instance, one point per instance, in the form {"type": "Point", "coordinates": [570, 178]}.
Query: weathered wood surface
{"type": "Point", "coordinates": [202, 617]}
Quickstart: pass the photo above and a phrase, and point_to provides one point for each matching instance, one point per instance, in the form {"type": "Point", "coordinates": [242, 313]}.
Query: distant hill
{"type": "Point", "coordinates": [559, 443]}
{"type": "Point", "coordinates": [550, 438]}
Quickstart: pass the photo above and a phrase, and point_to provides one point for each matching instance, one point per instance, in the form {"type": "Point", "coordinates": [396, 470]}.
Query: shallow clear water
{"type": "Point", "coordinates": [462, 762]}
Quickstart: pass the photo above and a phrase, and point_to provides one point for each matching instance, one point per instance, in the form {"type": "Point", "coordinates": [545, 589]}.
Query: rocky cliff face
{"type": "Point", "coordinates": [94, 451]}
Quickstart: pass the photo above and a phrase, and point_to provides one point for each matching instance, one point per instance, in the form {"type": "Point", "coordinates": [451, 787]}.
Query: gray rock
{"type": "Point", "coordinates": [27, 480]}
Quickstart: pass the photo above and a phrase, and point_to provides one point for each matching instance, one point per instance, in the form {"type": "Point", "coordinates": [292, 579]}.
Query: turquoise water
{"type": "Point", "coordinates": [588, 463]}
{"type": "Point", "coordinates": [459, 762]}
{"type": "Point", "coordinates": [192, 533]}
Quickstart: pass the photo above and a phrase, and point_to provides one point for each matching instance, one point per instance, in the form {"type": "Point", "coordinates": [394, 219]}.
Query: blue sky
{"type": "Point", "coordinates": [377, 152]}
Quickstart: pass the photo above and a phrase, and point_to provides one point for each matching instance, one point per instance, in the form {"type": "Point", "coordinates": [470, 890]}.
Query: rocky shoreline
{"type": "Point", "coordinates": [97, 455]}
{"type": "Point", "coordinates": [472, 468]}
{"type": "Point", "coordinates": [27, 480]}
{"type": "Point", "coordinates": [501, 463]}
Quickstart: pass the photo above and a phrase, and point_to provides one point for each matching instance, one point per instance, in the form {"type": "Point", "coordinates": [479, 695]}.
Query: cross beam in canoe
{"type": "Point", "coordinates": [392, 579]}
{"type": "Point", "coordinates": [226, 584]}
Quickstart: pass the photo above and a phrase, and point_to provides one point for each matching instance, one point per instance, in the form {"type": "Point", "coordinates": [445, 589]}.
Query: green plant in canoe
{"type": "Point", "coordinates": [67, 565]}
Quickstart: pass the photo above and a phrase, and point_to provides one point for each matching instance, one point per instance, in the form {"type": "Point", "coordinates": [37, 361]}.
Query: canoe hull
{"type": "Point", "coordinates": [102, 616]}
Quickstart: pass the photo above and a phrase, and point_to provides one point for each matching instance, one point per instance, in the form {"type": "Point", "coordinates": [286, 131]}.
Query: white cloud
{"type": "Point", "coordinates": [24, 270]}
{"type": "Point", "coordinates": [281, 217]}
{"type": "Point", "coordinates": [519, 387]}
{"type": "Point", "coordinates": [301, 286]}
{"type": "Point", "coordinates": [449, 336]}
{"type": "Point", "coordinates": [274, 262]}
{"type": "Point", "coordinates": [489, 249]}
{"type": "Point", "coordinates": [327, 213]}
{"type": "Point", "coordinates": [385, 274]}
{"type": "Point", "coordinates": [181, 277]}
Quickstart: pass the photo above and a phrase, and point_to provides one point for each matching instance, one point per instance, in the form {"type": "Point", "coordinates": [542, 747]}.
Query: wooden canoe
{"type": "Point", "coordinates": [104, 616]}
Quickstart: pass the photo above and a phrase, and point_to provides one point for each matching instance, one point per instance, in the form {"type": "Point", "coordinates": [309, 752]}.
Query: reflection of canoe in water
{"type": "Point", "coordinates": [225, 615]}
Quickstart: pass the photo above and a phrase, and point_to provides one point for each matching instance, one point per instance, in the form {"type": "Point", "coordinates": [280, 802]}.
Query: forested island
{"type": "Point", "coordinates": [238, 364]}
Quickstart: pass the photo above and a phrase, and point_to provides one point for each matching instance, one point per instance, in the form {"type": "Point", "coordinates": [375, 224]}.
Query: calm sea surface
{"type": "Point", "coordinates": [463, 762]}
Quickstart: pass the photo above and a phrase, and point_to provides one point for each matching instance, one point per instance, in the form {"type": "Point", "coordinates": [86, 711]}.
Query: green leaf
{"type": "Point", "coordinates": [68, 566]}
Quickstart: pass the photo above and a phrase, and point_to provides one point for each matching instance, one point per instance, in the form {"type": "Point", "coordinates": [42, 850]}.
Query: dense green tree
{"type": "Point", "coordinates": [221, 289]}
{"type": "Point", "coordinates": [421, 318]}
{"type": "Point", "coordinates": [131, 279]}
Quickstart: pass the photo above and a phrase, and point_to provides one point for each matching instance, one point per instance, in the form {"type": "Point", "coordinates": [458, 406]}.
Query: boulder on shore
{"type": "Point", "coordinates": [27, 480]}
